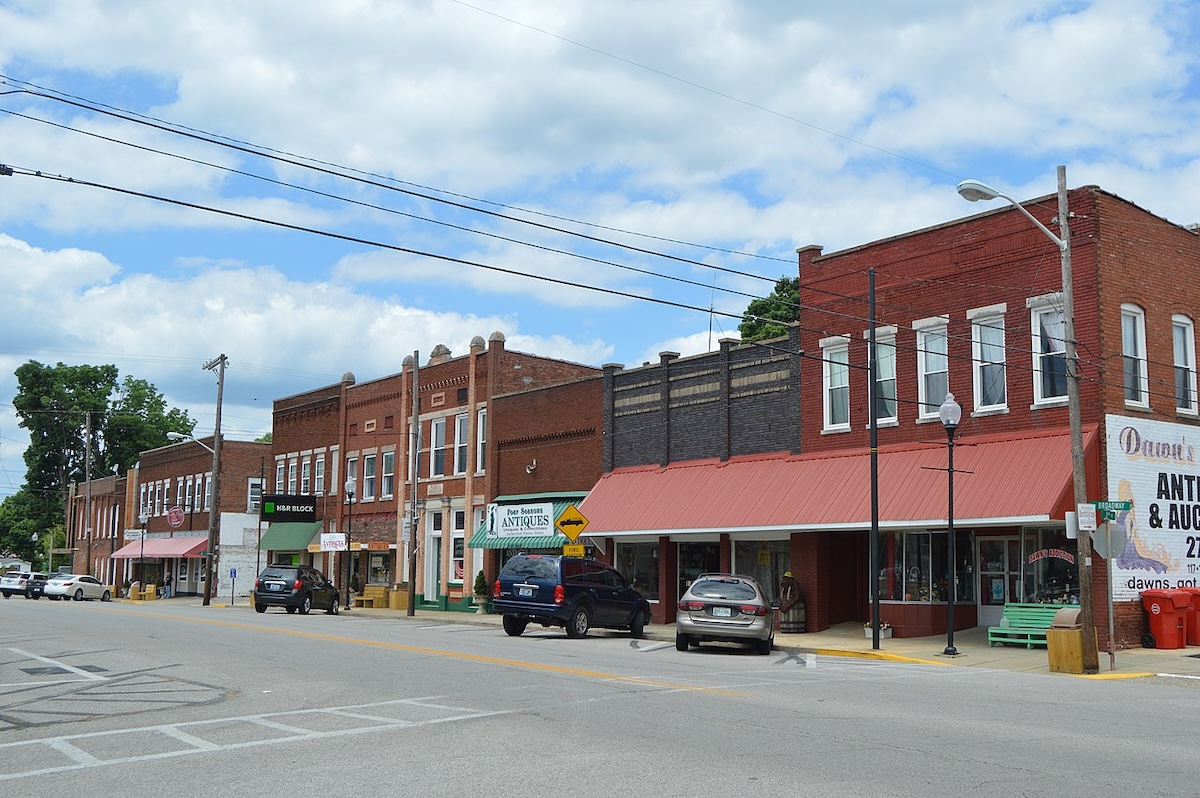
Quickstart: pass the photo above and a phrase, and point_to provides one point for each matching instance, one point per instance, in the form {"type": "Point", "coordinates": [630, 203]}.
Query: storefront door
{"type": "Point", "coordinates": [999, 576]}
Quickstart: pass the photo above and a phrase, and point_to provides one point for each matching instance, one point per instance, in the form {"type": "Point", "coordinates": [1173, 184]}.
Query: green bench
{"type": "Point", "coordinates": [1024, 623]}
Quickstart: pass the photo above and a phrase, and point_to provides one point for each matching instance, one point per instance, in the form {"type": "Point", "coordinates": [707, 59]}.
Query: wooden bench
{"type": "Point", "coordinates": [372, 596]}
{"type": "Point", "coordinates": [1024, 623]}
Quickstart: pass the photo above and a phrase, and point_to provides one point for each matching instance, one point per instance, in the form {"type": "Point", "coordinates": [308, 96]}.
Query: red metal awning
{"type": "Point", "coordinates": [162, 548]}
{"type": "Point", "coordinates": [997, 482]}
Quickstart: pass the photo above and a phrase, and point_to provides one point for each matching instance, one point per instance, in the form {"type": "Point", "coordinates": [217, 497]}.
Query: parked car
{"type": "Point", "coordinates": [79, 587]}
{"type": "Point", "coordinates": [571, 592]}
{"type": "Point", "coordinates": [296, 588]}
{"type": "Point", "coordinates": [727, 608]}
{"type": "Point", "coordinates": [23, 583]}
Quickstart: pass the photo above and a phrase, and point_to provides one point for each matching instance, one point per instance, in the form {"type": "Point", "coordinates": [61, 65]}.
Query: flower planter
{"type": "Point", "coordinates": [882, 632]}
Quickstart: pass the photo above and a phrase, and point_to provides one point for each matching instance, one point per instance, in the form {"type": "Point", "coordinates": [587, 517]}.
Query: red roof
{"type": "Point", "coordinates": [997, 481]}
{"type": "Point", "coordinates": [156, 548]}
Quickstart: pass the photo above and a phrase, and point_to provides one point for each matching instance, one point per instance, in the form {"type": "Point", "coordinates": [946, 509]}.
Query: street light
{"type": "Point", "coordinates": [143, 517]}
{"type": "Point", "coordinates": [351, 487]}
{"type": "Point", "coordinates": [950, 413]}
{"type": "Point", "coordinates": [974, 191]}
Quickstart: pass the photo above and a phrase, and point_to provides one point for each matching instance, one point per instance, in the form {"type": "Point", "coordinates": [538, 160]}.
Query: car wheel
{"type": "Point", "coordinates": [306, 605]}
{"type": "Point", "coordinates": [579, 624]}
{"type": "Point", "coordinates": [260, 607]}
{"type": "Point", "coordinates": [106, 596]}
{"type": "Point", "coordinates": [79, 594]}
{"type": "Point", "coordinates": [513, 626]}
{"type": "Point", "coordinates": [637, 629]}
{"type": "Point", "coordinates": [765, 646]}
{"type": "Point", "coordinates": [28, 593]}
{"type": "Point", "coordinates": [334, 607]}
{"type": "Point", "coordinates": [681, 642]}
{"type": "Point", "coordinates": [290, 610]}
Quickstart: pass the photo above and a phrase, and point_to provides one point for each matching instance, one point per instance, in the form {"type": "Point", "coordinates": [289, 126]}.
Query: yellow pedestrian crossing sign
{"type": "Point", "coordinates": [571, 523]}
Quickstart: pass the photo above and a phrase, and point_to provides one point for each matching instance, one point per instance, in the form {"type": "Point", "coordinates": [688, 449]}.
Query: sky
{"type": "Point", "coordinates": [314, 187]}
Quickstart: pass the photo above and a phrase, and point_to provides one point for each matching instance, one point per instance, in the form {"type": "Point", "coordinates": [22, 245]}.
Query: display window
{"type": "Point", "coordinates": [913, 567]}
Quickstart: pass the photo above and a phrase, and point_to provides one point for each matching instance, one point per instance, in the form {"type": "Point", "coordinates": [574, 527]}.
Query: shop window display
{"type": "Point", "coordinates": [638, 562]}
{"type": "Point", "coordinates": [912, 566]}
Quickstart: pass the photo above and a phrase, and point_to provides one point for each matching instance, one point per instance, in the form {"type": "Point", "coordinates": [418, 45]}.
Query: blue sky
{"type": "Point", "coordinates": [645, 141]}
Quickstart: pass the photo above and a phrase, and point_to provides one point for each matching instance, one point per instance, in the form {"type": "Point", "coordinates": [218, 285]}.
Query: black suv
{"type": "Point", "coordinates": [571, 592]}
{"type": "Point", "coordinates": [295, 587]}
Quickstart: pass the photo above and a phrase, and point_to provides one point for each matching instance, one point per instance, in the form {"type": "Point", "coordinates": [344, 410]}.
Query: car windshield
{"type": "Point", "coordinates": [530, 568]}
{"type": "Point", "coordinates": [728, 589]}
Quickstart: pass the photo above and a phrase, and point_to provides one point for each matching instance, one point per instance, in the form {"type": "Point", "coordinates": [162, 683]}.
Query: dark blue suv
{"type": "Point", "coordinates": [572, 592]}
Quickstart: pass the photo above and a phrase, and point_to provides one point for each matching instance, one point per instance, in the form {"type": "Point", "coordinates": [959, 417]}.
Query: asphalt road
{"type": "Point", "coordinates": [182, 700]}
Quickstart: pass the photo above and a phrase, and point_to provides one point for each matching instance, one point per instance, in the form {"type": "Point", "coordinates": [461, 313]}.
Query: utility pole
{"type": "Point", "coordinates": [87, 492]}
{"type": "Point", "coordinates": [214, 512]}
{"type": "Point", "coordinates": [415, 459]}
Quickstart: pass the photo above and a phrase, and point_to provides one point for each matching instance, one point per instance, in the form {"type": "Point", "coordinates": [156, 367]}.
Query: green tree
{"type": "Point", "coordinates": [18, 522]}
{"type": "Point", "coordinates": [766, 317]}
{"type": "Point", "coordinates": [58, 405]}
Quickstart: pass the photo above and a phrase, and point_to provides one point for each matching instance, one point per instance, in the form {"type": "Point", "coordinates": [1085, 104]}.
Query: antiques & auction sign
{"type": "Point", "coordinates": [1153, 464]}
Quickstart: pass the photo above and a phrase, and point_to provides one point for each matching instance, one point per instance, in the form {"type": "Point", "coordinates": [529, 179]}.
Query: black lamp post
{"type": "Point", "coordinates": [351, 487]}
{"type": "Point", "coordinates": [950, 414]}
{"type": "Point", "coordinates": [144, 517]}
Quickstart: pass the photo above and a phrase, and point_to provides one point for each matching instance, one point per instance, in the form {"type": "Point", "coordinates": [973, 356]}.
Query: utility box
{"type": "Point", "coordinates": [1064, 642]}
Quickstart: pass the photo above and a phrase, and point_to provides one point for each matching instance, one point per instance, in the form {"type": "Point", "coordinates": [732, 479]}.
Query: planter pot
{"type": "Point", "coordinates": [882, 632]}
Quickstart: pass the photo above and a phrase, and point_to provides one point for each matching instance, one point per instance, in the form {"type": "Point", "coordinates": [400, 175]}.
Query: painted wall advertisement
{"type": "Point", "coordinates": [1153, 465]}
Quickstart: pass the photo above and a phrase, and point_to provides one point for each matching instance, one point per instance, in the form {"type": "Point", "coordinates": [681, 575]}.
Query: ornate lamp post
{"type": "Point", "coordinates": [351, 487]}
{"type": "Point", "coordinates": [950, 414]}
{"type": "Point", "coordinates": [144, 517]}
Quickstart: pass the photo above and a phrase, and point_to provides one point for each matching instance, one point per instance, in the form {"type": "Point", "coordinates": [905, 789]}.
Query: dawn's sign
{"type": "Point", "coordinates": [281, 507]}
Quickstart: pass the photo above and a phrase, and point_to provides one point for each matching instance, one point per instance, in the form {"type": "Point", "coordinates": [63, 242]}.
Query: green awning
{"type": "Point", "coordinates": [289, 535]}
{"type": "Point", "coordinates": [482, 540]}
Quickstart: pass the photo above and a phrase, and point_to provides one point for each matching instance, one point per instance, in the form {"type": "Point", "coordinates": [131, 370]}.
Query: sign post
{"type": "Point", "coordinates": [1108, 510]}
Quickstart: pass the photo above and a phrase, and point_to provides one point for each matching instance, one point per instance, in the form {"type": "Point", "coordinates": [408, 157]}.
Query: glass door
{"type": "Point", "coordinates": [999, 576]}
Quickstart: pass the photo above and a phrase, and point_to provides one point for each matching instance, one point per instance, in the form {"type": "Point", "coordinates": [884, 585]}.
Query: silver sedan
{"type": "Point", "coordinates": [79, 587]}
{"type": "Point", "coordinates": [726, 608]}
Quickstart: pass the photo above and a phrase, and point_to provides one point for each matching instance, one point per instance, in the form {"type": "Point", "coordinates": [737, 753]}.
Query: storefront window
{"type": "Point", "coordinates": [377, 573]}
{"type": "Point", "coordinates": [912, 566]}
{"type": "Point", "coordinates": [696, 559]}
{"type": "Point", "coordinates": [638, 562]}
{"type": "Point", "coordinates": [765, 560]}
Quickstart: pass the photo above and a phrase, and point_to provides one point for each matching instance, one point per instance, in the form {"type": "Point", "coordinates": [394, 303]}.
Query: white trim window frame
{"type": "Point", "coordinates": [1183, 339]}
{"type": "Point", "coordinates": [306, 477]}
{"type": "Point", "coordinates": [1048, 328]}
{"type": "Point", "coordinates": [178, 491]}
{"type": "Point", "coordinates": [387, 486]}
{"type": "Point", "coordinates": [933, 365]}
{"type": "Point", "coordinates": [291, 486]}
{"type": "Point", "coordinates": [886, 408]}
{"type": "Point", "coordinates": [352, 473]}
{"type": "Point", "coordinates": [461, 443]}
{"type": "Point", "coordinates": [437, 447]}
{"type": "Point", "coordinates": [253, 494]}
{"type": "Point", "coordinates": [319, 474]}
{"type": "Point", "coordinates": [367, 492]}
{"type": "Point", "coordinates": [1133, 356]}
{"type": "Point", "coordinates": [279, 475]}
{"type": "Point", "coordinates": [989, 372]}
{"type": "Point", "coordinates": [481, 441]}
{"type": "Point", "coordinates": [835, 383]}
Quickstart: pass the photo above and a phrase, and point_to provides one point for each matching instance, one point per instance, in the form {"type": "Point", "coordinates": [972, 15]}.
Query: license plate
{"type": "Point", "coordinates": [275, 586]}
{"type": "Point", "coordinates": [722, 612]}
{"type": "Point", "coordinates": [524, 590]}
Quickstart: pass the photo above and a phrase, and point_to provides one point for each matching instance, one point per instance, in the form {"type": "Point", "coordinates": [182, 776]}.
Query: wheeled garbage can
{"type": "Point", "coordinates": [1192, 623]}
{"type": "Point", "coordinates": [1167, 612]}
{"type": "Point", "coordinates": [1064, 642]}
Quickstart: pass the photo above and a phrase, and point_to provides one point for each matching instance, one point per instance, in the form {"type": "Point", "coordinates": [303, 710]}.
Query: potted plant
{"type": "Point", "coordinates": [481, 592]}
{"type": "Point", "coordinates": [885, 629]}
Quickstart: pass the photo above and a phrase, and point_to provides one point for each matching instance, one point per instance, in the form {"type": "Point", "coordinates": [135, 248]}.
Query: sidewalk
{"type": "Point", "coordinates": [849, 640]}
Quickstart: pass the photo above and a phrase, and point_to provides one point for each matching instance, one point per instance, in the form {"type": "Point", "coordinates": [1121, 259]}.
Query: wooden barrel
{"type": "Point", "coordinates": [793, 621]}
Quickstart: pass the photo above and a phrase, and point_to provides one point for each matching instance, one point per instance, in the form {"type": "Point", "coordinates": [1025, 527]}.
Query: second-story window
{"type": "Point", "coordinates": [291, 488]}
{"type": "Point", "coordinates": [253, 494]}
{"type": "Point", "coordinates": [1183, 333]}
{"type": "Point", "coordinates": [1049, 348]}
{"type": "Point", "coordinates": [319, 475]}
{"type": "Point", "coordinates": [437, 447]}
{"type": "Point", "coordinates": [352, 473]}
{"type": "Point", "coordinates": [368, 481]}
{"type": "Point", "coordinates": [987, 358]}
{"type": "Point", "coordinates": [306, 477]}
{"type": "Point", "coordinates": [461, 443]}
{"type": "Point", "coordinates": [933, 375]}
{"type": "Point", "coordinates": [1133, 351]}
{"type": "Point", "coordinates": [279, 484]}
{"type": "Point", "coordinates": [885, 376]}
{"type": "Point", "coordinates": [481, 440]}
{"type": "Point", "coordinates": [388, 487]}
{"type": "Point", "coordinates": [835, 373]}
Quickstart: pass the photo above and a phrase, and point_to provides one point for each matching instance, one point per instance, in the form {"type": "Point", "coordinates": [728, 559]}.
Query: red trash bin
{"type": "Point", "coordinates": [1192, 623]}
{"type": "Point", "coordinates": [1168, 611]}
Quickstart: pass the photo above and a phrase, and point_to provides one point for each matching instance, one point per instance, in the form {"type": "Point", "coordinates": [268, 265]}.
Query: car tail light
{"type": "Point", "coordinates": [298, 584]}
{"type": "Point", "coordinates": [691, 606]}
{"type": "Point", "coordinates": [753, 609]}
{"type": "Point", "coordinates": [257, 582]}
{"type": "Point", "coordinates": [496, 589]}
{"type": "Point", "coordinates": [560, 594]}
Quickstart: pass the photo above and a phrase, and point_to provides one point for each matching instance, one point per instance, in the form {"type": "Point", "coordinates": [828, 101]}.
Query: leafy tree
{"type": "Point", "coordinates": [58, 404]}
{"type": "Point", "coordinates": [765, 318]}
{"type": "Point", "coordinates": [18, 522]}
{"type": "Point", "coordinates": [266, 438]}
